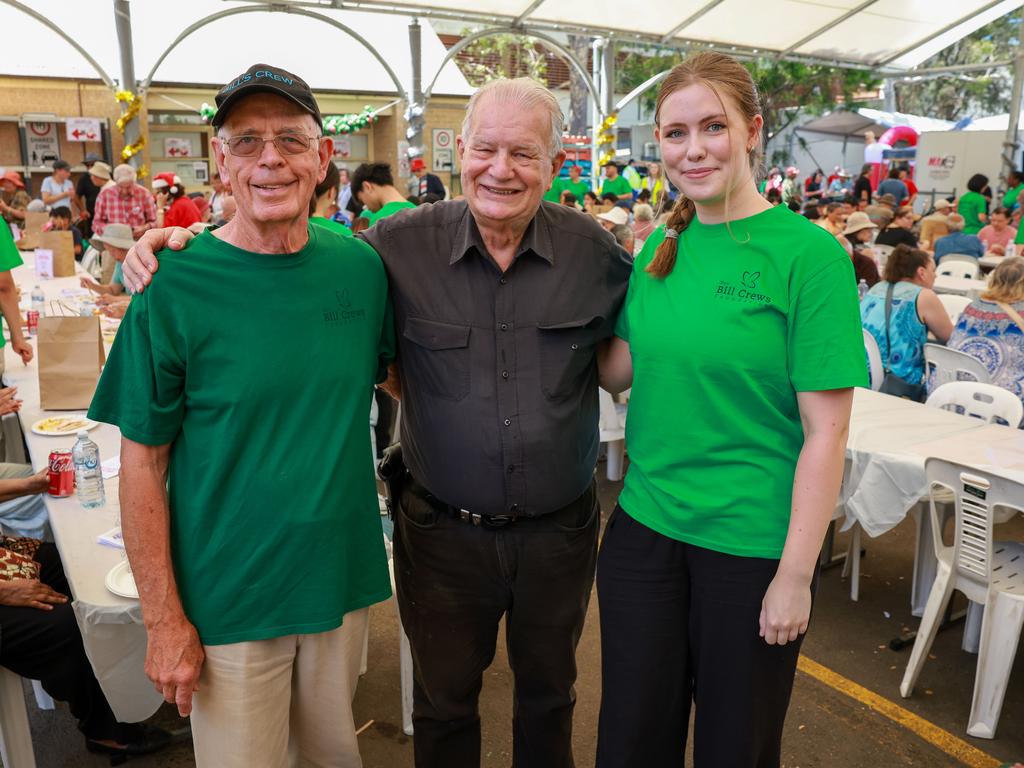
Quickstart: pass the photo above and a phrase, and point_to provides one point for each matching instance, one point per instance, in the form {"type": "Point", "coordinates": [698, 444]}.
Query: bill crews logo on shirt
{"type": "Point", "coordinates": [343, 312]}
{"type": "Point", "coordinates": [746, 292]}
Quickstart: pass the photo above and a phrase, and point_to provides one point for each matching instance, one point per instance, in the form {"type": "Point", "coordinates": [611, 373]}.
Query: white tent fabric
{"type": "Point", "coordinates": [854, 124]}
{"type": "Point", "coordinates": [324, 56]}
{"type": "Point", "coordinates": [993, 123]}
{"type": "Point", "coordinates": [873, 34]}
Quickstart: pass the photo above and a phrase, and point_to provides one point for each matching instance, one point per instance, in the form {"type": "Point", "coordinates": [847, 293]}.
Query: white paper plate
{"type": "Point", "coordinates": [74, 422]}
{"type": "Point", "coordinates": [120, 581]}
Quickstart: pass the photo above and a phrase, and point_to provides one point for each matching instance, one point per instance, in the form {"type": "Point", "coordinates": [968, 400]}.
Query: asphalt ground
{"type": "Point", "coordinates": [846, 708]}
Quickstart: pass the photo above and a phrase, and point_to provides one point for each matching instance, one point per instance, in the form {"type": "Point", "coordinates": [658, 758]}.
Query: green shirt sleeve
{"type": "Point", "coordinates": [142, 388]}
{"type": "Point", "coordinates": [825, 342]}
{"type": "Point", "coordinates": [9, 256]}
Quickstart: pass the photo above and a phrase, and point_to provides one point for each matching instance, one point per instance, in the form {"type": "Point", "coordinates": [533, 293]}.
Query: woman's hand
{"type": "Point", "coordinates": [8, 402]}
{"type": "Point", "coordinates": [786, 609]}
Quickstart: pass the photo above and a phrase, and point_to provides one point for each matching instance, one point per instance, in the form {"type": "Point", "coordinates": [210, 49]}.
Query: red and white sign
{"type": "Point", "coordinates": [177, 147]}
{"type": "Point", "coordinates": [83, 129]}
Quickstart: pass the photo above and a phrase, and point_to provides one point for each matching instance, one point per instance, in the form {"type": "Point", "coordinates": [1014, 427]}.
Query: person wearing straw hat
{"type": "Point", "coordinates": [115, 240]}
{"type": "Point", "coordinates": [857, 233]}
{"type": "Point", "coordinates": [935, 224]}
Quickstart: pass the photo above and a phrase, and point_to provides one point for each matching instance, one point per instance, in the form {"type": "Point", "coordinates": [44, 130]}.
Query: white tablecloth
{"type": "Point", "coordinates": [111, 626]}
{"type": "Point", "coordinates": [959, 285]}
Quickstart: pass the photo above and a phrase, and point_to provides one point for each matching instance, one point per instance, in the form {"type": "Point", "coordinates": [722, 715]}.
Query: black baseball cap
{"type": "Point", "coordinates": [266, 79]}
{"type": "Point", "coordinates": [61, 165]}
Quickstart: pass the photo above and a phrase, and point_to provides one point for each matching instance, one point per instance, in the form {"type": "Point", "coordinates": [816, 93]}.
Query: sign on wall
{"type": "Point", "coordinates": [82, 129]}
{"type": "Point", "coordinates": [443, 149]}
{"type": "Point", "coordinates": [42, 143]}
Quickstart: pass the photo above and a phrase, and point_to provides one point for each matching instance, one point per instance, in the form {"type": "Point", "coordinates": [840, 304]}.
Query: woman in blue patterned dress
{"type": "Point", "coordinates": [916, 309]}
{"type": "Point", "coordinates": [988, 330]}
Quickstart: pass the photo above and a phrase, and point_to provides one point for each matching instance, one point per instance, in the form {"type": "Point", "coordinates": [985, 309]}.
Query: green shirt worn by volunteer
{"type": "Point", "coordinates": [331, 225]}
{"type": "Point", "coordinates": [720, 347]}
{"type": "Point", "coordinates": [1019, 239]}
{"type": "Point", "coordinates": [970, 206]}
{"type": "Point", "coordinates": [578, 188]}
{"type": "Point", "coordinates": [1010, 198]}
{"type": "Point", "coordinates": [263, 392]}
{"type": "Point", "coordinates": [617, 186]}
{"type": "Point", "coordinates": [385, 210]}
{"type": "Point", "coordinates": [9, 259]}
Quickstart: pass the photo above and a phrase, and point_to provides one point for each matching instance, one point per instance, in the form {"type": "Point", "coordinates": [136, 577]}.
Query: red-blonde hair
{"type": "Point", "coordinates": [727, 78]}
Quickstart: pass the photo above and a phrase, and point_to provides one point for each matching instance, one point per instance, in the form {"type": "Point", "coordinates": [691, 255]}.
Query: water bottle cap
{"type": "Point", "coordinates": [83, 434]}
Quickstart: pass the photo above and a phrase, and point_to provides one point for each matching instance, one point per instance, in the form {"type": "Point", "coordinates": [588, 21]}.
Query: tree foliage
{"type": "Point", "coordinates": [502, 56]}
{"type": "Point", "coordinates": [786, 87]}
{"type": "Point", "coordinates": [973, 94]}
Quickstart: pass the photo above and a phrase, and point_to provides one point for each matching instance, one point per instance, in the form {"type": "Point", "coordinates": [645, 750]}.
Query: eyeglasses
{"type": "Point", "coordinates": [286, 143]}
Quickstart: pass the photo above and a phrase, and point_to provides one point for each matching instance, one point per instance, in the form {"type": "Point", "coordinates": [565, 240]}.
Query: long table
{"type": "Point", "coordinates": [111, 626]}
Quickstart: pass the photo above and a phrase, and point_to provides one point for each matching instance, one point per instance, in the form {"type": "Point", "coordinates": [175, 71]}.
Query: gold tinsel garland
{"type": "Point", "coordinates": [133, 106]}
{"type": "Point", "coordinates": [606, 139]}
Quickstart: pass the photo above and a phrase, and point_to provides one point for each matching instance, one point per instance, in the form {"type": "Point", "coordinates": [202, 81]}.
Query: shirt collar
{"type": "Point", "coordinates": [536, 239]}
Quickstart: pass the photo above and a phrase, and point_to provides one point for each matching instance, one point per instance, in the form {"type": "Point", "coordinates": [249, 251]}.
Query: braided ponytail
{"type": "Point", "coordinates": [679, 219]}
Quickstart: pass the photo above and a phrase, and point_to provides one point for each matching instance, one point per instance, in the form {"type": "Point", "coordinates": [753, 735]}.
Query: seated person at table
{"type": "Point", "coordinates": [116, 240]}
{"type": "Point", "coordinates": [988, 330]}
{"type": "Point", "coordinates": [957, 241]}
{"type": "Point", "coordinates": [60, 221]}
{"type": "Point", "coordinates": [22, 511]}
{"type": "Point", "coordinates": [916, 309]}
{"type": "Point", "coordinates": [40, 640]}
{"type": "Point", "coordinates": [898, 230]}
{"type": "Point", "coordinates": [855, 238]}
{"type": "Point", "coordinates": [935, 224]}
{"type": "Point", "coordinates": [998, 233]}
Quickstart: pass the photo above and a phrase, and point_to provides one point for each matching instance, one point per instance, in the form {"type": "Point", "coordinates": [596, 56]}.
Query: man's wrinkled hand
{"type": "Point", "coordinates": [30, 593]}
{"type": "Point", "coordinates": [141, 263]}
{"type": "Point", "coordinates": [174, 660]}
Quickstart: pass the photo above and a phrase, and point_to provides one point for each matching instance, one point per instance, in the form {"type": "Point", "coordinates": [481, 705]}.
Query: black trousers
{"type": "Point", "coordinates": [455, 581]}
{"type": "Point", "coordinates": [47, 646]}
{"type": "Point", "coordinates": [679, 623]}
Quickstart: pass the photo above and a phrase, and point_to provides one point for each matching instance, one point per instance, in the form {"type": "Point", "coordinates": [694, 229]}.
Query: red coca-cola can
{"type": "Point", "coordinates": [62, 474]}
{"type": "Point", "coordinates": [32, 316]}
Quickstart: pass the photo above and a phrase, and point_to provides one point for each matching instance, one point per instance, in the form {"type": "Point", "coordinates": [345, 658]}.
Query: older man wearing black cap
{"type": "Point", "coordinates": [244, 376]}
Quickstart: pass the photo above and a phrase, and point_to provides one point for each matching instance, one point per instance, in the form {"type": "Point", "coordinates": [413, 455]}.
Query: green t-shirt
{"type": "Point", "coordinates": [970, 206]}
{"type": "Point", "coordinates": [579, 188]}
{"type": "Point", "coordinates": [332, 225]}
{"type": "Point", "coordinates": [385, 210]}
{"type": "Point", "coordinates": [720, 348]}
{"type": "Point", "coordinates": [258, 369]}
{"type": "Point", "coordinates": [554, 193]}
{"type": "Point", "coordinates": [617, 186]}
{"type": "Point", "coordinates": [9, 259]}
{"type": "Point", "coordinates": [1019, 239]}
{"type": "Point", "coordinates": [1010, 198]}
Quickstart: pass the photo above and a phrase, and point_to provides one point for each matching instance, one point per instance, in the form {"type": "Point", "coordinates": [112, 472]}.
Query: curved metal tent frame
{"type": "Point", "coordinates": [275, 8]}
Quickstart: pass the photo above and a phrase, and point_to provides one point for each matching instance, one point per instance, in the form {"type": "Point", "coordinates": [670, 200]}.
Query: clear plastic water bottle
{"type": "Point", "coordinates": [88, 472]}
{"type": "Point", "coordinates": [862, 288]}
{"type": "Point", "coordinates": [39, 307]}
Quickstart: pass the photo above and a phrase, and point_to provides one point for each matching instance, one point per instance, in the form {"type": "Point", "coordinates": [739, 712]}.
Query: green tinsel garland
{"type": "Point", "coordinates": [333, 124]}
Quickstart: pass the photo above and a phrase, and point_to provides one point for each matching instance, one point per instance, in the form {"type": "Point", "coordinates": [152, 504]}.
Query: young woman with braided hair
{"type": "Point", "coordinates": [741, 339]}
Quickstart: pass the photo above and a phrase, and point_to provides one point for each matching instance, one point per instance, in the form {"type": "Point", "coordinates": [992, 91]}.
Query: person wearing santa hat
{"type": "Point", "coordinates": [173, 207]}
{"type": "Point", "coordinates": [429, 183]}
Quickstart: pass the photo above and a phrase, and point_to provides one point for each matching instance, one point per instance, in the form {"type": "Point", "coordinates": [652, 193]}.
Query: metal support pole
{"type": "Point", "coordinates": [414, 112]}
{"type": "Point", "coordinates": [1011, 145]}
{"type": "Point", "coordinates": [597, 114]}
{"type": "Point", "coordinates": [123, 22]}
{"type": "Point", "coordinates": [889, 94]}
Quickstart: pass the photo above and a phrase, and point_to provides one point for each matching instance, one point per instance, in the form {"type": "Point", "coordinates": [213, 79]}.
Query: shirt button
{"type": "Point", "coordinates": [511, 468]}
{"type": "Point", "coordinates": [504, 326]}
{"type": "Point", "coordinates": [503, 281]}
{"type": "Point", "coordinates": [504, 374]}
{"type": "Point", "coordinates": [508, 422]}
{"type": "Point", "coordinates": [575, 346]}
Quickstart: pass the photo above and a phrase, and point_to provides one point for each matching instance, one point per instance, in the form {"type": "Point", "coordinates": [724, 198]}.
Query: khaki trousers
{"type": "Point", "coordinates": [280, 703]}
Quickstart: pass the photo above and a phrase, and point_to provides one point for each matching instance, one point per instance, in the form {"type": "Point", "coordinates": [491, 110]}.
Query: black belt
{"type": "Point", "coordinates": [458, 513]}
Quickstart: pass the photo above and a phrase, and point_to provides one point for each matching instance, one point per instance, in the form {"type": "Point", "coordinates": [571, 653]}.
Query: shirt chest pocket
{"type": "Point", "coordinates": [437, 359]}
{"type": "Point", "coordinates": [566, 354]}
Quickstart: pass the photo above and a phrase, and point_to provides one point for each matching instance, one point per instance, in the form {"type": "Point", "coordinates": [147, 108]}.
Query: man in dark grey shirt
{"type": "Point", "coordinates": [501, 302]}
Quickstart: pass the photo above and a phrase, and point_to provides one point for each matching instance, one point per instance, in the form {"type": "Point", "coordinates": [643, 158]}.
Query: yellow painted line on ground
{"type": "Point", "coordinates": [944, 740]}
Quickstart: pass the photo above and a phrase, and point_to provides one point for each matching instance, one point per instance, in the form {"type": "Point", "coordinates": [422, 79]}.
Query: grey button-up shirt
{"type": "Point", "coordinates": [499, 372]}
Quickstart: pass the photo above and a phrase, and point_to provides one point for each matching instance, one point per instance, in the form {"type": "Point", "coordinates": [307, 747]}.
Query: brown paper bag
{"type": "Point", "coordinates": [32, 229]}
{"type": "Point", "coordinates": [70, 351]}
{"type": "Point", "coordinates": [63, 246]}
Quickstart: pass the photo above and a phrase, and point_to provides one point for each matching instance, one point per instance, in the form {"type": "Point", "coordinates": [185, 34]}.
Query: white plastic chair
{"type": "Point", "coordinates": [954, 305]}
{"type": "Point", "coordinates": [949, 363]}
{"type": "Point", "coordinates": [876, 370]}
{"type": "Point", "coordinates": [987, 572]}
{"type": "Point", "coordinates": [612, 426]}
{"type": "Point", "coordinates": [15, 734]}
{"type": "Point", "coordinates": [982, 401]}
{"type": "Point", "coordinates": [958, 267]}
